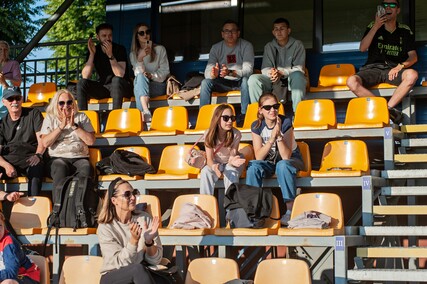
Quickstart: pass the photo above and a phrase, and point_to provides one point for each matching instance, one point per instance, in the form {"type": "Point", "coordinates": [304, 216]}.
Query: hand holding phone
{"type": "Point", "coordinates": [149, 43]}
{"type": "Point", "coordinates": [380, 11]}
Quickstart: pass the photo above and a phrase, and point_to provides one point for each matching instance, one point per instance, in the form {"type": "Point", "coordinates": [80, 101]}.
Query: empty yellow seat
{"type": "Point", "coordinates": [367, 112]}
{"type": "Point", "coordinates": [212, 270]}
{"type": "Point", "coordinates": [282, 271]}
{"type": "Point", "coordinates": [315, 115]}
{"type": "Point", "coordinates": [94, 120]}
{"type": "Point", "coordinates": [123, 123]}
{"type": "Point", "coordinates": [169, 120]}
{"type": "Point", "coordinates": [343, 158]}
{"type": "Point", "coordinates": [106, 100]}
{"type": "Point", "coordinates": [29, 214]}
{"type": "Point", "coordinates": [40, 94]}
{"type": "Point", "coordinates": [326, 203]}
{"type": "Point", "coordinates": [252, 115]}
{"type": "Point", "coordinates": [204, 118]}
{"type": "Point", "coordinates": [79, 269]}
{"type": "Point", "coordinates": [306, 157]}
{"type": "Point", "coordinates": [333, 77]}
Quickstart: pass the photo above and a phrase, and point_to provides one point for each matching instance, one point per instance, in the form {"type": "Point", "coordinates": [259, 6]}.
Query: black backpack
{"type": "Point", "coordinates": [124, 162]}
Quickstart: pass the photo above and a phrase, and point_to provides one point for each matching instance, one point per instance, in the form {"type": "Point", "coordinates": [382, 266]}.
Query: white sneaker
{"type": "Point", "coordinates": [285, 218]}
{"type": "Point", "coordinates": [147, 116]}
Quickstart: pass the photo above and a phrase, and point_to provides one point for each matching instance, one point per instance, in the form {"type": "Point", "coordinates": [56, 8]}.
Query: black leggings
{"type": "Point", "coordinates": [134, 273]}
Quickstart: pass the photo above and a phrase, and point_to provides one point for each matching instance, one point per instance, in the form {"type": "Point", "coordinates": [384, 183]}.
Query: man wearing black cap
{"type": "Point", "coordinates": [21, 152]}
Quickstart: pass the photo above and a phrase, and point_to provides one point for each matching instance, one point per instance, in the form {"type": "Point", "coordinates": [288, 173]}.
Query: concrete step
{"type": "Point", "coordinates": [419, 275]}
{"type": "Point", "coordinates": [414, 128]}
{"type": "Point", "coordinates": [404, 174]}
{"type": "Point", "coordinates": [414, 142]}
{"type": "Point", "coordinates": [404, 190]}
{"type": "Point", "coordinates": [410, 158]}
{"type": "Point", "coordinates": [400, 210]}
{"type": "Point", "coordinates": [393, 231]}
{"type": "Point", "coordinates": [392, 252]}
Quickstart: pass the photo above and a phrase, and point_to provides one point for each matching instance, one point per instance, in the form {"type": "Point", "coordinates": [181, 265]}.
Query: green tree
{"type": "Point", "coordinates": [77, 23]}
{"type": "Point", "coordinates": [17, 20]}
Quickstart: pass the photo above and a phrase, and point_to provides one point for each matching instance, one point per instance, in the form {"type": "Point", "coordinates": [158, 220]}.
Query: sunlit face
{"type": "Point", "coordinates": [105, 35]}
{"type": "Point", "coordinates": [391, 12]}
{"type": "Point", "coordinates": [230, 33]}
{"type": "Point", "coordinates": [13, 104]}
{"type": "Point", "coordinates": [272, 113]}
{"type": "Point", "coordinates": [124, 198]}
{"type": "Point", "coordinates": [281, 31]}
{"type": "Point", "coordinates": [227, 118]}
{"type": "Point", "coordinates": [143, 34]}
{"type": "Point", "coordinates": [65, 102]}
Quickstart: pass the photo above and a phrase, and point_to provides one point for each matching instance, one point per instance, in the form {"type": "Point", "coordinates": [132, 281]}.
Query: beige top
{"type": "Point", "coordinates": [223, 153]}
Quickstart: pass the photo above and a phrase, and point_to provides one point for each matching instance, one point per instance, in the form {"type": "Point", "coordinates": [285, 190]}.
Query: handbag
{"type": "Point", "coordinates": [172, 86]}
{"type": "Point", "coordinates": [165, 275]}
{"type": "Point", "coordinates": [197, 158]}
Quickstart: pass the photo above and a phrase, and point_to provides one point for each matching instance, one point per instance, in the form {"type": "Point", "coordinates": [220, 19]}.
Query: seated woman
{"type": "Point", "coordinates": [276, 151]}
{"type": "Point", "coordinates": [10, 74]}
{"type": "Point", "coordinates": [221, 144]}
{"type": "Point", "coordinates": [127, 237]}
{"type": "Point", "coordinates": [150, 66]}
{"type": "Point", "coordinates": [66, 133]}
{"type": "Point", "coordinates": [15, 266]}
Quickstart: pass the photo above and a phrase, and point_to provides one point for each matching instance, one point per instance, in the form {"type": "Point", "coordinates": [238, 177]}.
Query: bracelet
{"type": "Point", "coordinates": [40, 156]}
{"type": "Point", "coordinates": [149, 245]}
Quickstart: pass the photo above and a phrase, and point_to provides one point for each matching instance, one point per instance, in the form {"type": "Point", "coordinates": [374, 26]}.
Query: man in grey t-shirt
{"type": "Point", "coordinates": [229, 66]}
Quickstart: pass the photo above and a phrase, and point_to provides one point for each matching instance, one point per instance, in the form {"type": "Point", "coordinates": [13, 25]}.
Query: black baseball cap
{"type": "Point", "coordinates": [11, 92]}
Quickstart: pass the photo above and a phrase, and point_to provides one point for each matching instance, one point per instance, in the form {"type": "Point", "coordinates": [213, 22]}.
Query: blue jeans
{"type": "Point", "coordinates": [223, 85]}
{"type": "Point", "coordinates": [143, 87]}
{"type": "Point", "coordinates": [285, 170]}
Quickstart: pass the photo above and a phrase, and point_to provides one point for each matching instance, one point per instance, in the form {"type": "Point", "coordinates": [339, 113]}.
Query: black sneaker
{"type": "Point", "coordinates": [395, 115]}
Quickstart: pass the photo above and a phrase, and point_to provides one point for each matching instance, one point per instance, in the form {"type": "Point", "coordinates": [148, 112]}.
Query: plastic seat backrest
{"type": "Point", "coordinates": [153, 205]}
{"type": "Point", "coordinates": [81, 269]}
{"type": "Point", "coordinates": [306, 157]}
{"type": "Point", "coordinates": [144, 152]}
{"type": "Point", "coordinates": [315, 113]}
{"type": "Point", "coordinates": [173, 161]}
{"type": "Point", "coordinates": [326, 203]}
{"type": "Point", "coordinates": [335, 74]}
{"type": "Point", "coordinates": [170, 118]}
{"type": "Point", "coordinates": [30, 212]}
{"type": "Point", "coordinates": [94, 120]}
{"type": "Point", "coordinates": [204, 117]}
{"type": "Point", "coordinates": [252, 114]}
{"type": "Point", "coordinates": [345, 155]}
{"type": "Point", "coordinates": [207, 203]}
{"type": "Point", "coordinates": [94, 157]}
{"type": "Point", "coordinates": [283, 271]}
{"type": "Point", "coordinates": [43, 264]}
{"type": "Point", "coordinates": [247, 150]}
{"type": "Point", "coordinates": [124, 120]}
{"type": "Point", "coordinates": [367, 110]}
{"type": "Point", "coordinates": [41, 92]}
{"type": "Point", "coordinates": [212, 270]}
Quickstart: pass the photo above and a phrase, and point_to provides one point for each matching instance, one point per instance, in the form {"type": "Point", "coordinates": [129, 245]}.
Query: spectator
{"type": "Point", "coordinates": [391, 51]}
{"type": "Point", "coordinates": [229, 66]}
{"type": "Point", "coordinates": [276, 151]}
{"type": "Point", "coordinates": [16, 266]}
{"type": "Point", "coordinates": [10, 74]}
{"type": "Point", "coordinates": [127, 237]}
{"type": "Point", "coordinates": [110, 62]}
{"type": "Point", "coordinates": [283, 66]}
{"type": "Point", "coordinates": [20, 146]}
{"type": "Point", "coordinates": [221, 144]}
{"type": "Point", "coordinates": [150, 66]}
{"type": "Point", "coordinates": [66, 133]}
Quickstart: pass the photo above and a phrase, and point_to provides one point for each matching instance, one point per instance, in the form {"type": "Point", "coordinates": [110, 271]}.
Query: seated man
{"type": "Point", "coordinates": [283, 65]}
{"type": "Point", "coordinates": [229, 66]}
{"type": "Point", "coordinates": [391, 51]}
{"type": "Point", "coordinates": [110, 62]}
{"type": "Point", "coordinates": [20, 146]}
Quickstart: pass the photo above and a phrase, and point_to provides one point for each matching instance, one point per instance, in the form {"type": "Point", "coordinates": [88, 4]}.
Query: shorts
{"type": "Point", "coordinates": [373, 74]}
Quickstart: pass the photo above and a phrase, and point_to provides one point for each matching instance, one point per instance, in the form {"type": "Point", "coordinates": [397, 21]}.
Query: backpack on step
{"type": "Point", "coordinates": [125, 162]}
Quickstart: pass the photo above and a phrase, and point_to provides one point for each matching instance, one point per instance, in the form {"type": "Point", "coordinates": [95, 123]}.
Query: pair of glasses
{"type": "Point", "coordinates": [128, 194]}
{"type": "Point", "coordinates": [143, 33]}
{"type": "Point", "coordinates": [62, 103]}
{"type": "Point", "coordinates": [14, 98]}
{"type": "Point", "coordinates": [391, 5]}
{"type": "Point", "coordinates": [268, 107]}
{"type": "Point", "coordinates": [226, 118]}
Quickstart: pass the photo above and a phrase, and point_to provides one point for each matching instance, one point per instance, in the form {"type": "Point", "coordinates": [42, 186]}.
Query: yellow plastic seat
{"type": "Point", "coordinates": [252, 115]}
{"type": "Point", "coordinates": [212, 270]}
{"type": "Point", "coordinates": [315, 115]}
{"type": "Point", "coordinates": [367, 112]}
{"type": "Point", "coordinates": [306, 157]}
{"type": "Point", "coordinates": [173, 165]}
{"type": "Point", "coordinates": [123, 123]}
{"type": "Point", "coordinates": [153, 205]}
{"type": "Point", "coordinates": [29, 214]}
{"type": "Point", "coordinates": [271, 225]}
{"type": "Point", "coordinates": [94, 120]}
{"type": "Point", "coordinates": [106, 100]}
{"type": "Point", "coordinates": [247, 150]}
{"type": "Point", "coordinates": [43, 264]}
{"type": "Point", "coordinates": [235, 93]}
{"type": "Point", "coordinates": [40, 94]}
{"type": "Point", "coordinates": [383, 86]}
{"type": "Point", "coordinates": [204, 118]}
{"type": "Point", "coordinates": [326, 203]}
{"type": "Point", "coordinates": [208, 203]}
{"type": "Point", "coordinates": [169, 120]}
{"type": "Point", "coordinates": [81, 269]}
{"type": "Point", "coordinates": [333, 77]}
{"type": "Point", "coordinates": [344, 158]}
{"type": "Point", "coordinates": [282, 271]}
{"type": "Point", "coordinates": [144, 152]}
{"type": "Point", "coordinates": [424, 84]}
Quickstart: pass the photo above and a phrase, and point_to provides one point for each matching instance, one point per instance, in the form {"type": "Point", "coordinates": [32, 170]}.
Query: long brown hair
{"type": "Point", "coordinates": [108, 210]}
{"type": "Point", "coordinates": [212, 134]}
{"type": "Point", "coordinates": [135, 46]}
{"type": "Point", "coordinates": [261, 101]}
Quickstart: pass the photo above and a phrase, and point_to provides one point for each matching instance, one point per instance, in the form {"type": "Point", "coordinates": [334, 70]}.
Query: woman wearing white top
{"type": "Point", "coordinates": [150, 66]}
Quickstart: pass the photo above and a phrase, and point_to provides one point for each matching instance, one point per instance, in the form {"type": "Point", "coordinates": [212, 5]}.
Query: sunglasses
{"type": "Point", "coordinates": [128, 194]}
{"type": "Point", "coordinates": [62, 103]}
{"type": "Point", "coordinates": [226, 118]}
{"type": "Point", "coordinates": [268, 107]}
{"type": "Point", "coordinates": [143, 33]}
{"type": "Point", "coordinates": [14, 98]}
{"type": "Point", "coordinates": [391, 5]}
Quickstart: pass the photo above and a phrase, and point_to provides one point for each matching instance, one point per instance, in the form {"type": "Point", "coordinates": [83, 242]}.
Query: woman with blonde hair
{"type": "Point", "coordinates": [222, 156]}
{"type": "Point", "coordinates": [66, 133]}
{"type": "Point", "coordinates": [127, 237]}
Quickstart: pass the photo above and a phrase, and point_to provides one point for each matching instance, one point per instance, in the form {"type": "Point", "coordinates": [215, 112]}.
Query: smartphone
{"type": "Point", "coordinates": [380, 11]}
{"type": "Point", "coordinates": [150, 43]}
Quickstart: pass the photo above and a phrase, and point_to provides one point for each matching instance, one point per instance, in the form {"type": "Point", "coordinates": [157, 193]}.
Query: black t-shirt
{"type": "Point", "coordinates": [103, 65]}
{"type": "Point", "coordinates": [390, 48]}
{"type": "Point", "coordinates": [19, 138]}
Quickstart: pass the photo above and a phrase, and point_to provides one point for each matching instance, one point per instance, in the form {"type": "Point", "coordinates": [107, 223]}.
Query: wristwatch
{"type": "Point", "coordinates": [75, 126]}
{"type": "Point", "coordinates": [112, 57]}
{"type": "Point", "coordinates": [40, 156]}
{"type": "Point", "coordinates": [402, 65]}
{"type": "Point", "coordinates": [230, 73]}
